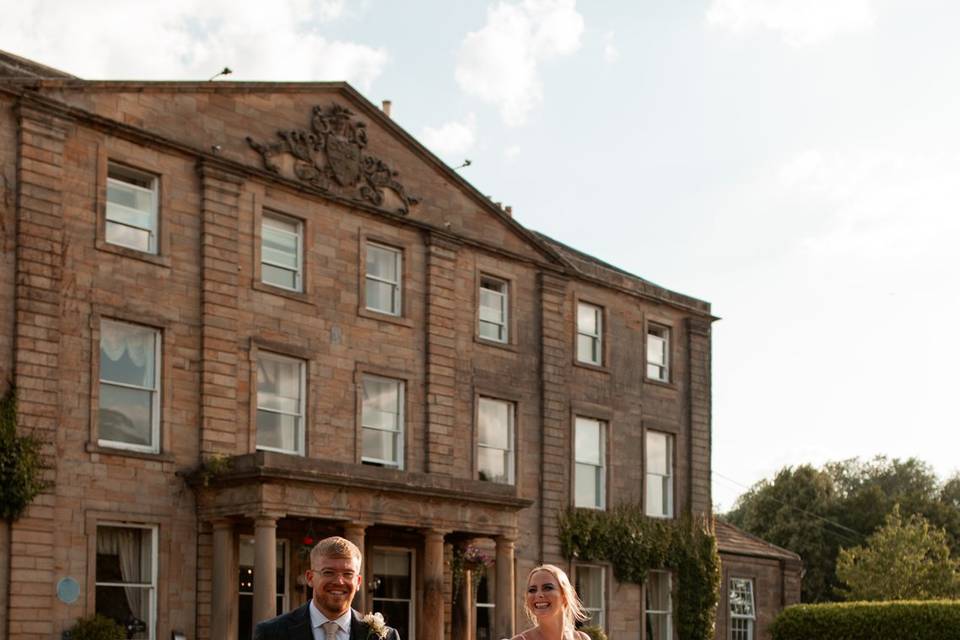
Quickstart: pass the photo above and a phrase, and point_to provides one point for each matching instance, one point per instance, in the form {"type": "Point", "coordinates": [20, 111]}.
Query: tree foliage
{"type": "Point", "coordinates": [900, 561]}
{"type": "Point", "coordinates": [21, 463]}
{"type": "Point", "coordinates": [815, 512]}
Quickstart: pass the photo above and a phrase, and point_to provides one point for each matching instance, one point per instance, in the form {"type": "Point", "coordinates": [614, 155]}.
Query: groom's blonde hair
{"type": "Point", "coordinates": [335, 547]}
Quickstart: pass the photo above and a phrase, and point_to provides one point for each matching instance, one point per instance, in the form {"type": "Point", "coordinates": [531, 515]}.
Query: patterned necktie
{"type": "Point", "coordinates": [330, 628]}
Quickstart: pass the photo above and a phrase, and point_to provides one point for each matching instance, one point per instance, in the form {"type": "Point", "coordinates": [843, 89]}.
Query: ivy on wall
{"type": "Point", "coordinates": [21, 463]}
{"type": "Point", "coordinates": [634, 544]}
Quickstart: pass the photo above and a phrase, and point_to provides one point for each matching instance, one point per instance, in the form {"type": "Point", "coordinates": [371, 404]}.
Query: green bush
{"type": "Point", "coordinates": [901, 620]}
{"type": "Point", "coordinates": [595, 632]}
{"type": "Point", "coordinates": [97, 627]}
{"type": "Point", "coordinates": [21, 463]}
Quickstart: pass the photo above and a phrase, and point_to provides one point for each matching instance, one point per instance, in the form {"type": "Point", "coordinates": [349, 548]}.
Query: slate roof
{"type": "Point", "coordinates": [734, 541]}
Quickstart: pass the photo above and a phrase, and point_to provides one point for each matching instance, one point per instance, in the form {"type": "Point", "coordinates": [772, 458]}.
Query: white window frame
{"type": "Point", "coordinates": [396, 285]}
{"type": "Point", "coordinates": [155, 392]}
{"type": "Point", "coordinates": [413, 586]}
{"type": "Point", "coordinates": [154, 566]}
{"type": "Point", "coordinates": [658, 370]}
{"type": "Point", "coordinates": [490, 605]}
{"type": "Point", "coordinates": [666, 613]}
{"type": "Point", "coordinates": [284, 553]}
{"type": "Point", "coordinates": [500, 289]}
{"type": "Point", "coordinates": [598, 615]}
{"type": "Point", "coordinates": [664, 479]}
{"type": "Point", "coordinates": [595, 338]}
{"type": "Point", "coordinates": [511, 432]}
{"type": "Point", "coordinates": [265, 220]}
{"type": "Point", "coordinates": [115, 173]}
{"type": "Point", "coordinates": [597, 468]}
{"type": "Point", "coordinates": [301, 405]}
{"type": "Point", "coordinates": [747, 619]}
{"type": "Point", "coordinates": [400, 387]}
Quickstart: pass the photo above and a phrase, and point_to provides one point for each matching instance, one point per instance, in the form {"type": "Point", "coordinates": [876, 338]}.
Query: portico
{"type": "Point", "coordinates": [405, 523]}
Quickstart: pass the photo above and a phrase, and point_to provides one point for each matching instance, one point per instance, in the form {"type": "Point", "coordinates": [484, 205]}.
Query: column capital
{"type": "Point", "coordinates": [262, 518]}
{"type": "Point", "coordinates": [509, 537]}
{"type": "Point", "coordinates": [435, 533]}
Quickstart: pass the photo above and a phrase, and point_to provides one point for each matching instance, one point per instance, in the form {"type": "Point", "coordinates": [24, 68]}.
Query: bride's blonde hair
{"type": "Point", "coordinates": [573, 610]}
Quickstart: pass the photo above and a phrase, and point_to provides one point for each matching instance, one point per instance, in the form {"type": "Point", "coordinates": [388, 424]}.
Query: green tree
{"type": "Point", "coordinates": [795, 511]}
{"type": "Point", "coordinates": [900, 561]}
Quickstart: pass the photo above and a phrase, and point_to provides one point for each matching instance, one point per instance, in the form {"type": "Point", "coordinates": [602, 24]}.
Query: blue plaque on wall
{"type": "Point", "coordinates": [68, 590]}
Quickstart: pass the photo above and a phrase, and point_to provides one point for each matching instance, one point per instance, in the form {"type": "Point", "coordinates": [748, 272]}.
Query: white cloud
{"type": "Point", "coordinates": [799, 22]}
{"type": "Point", "coordinates": [452, 138]}
{"type": "Point", "coordinates": [511, 153]}
{"type": "Point", "coordinates": [882, 206]}
{"type": "Point", "coordinates": [610, 52]}
{"type": "Point", "coordinates": [189, 39]}
{"type": "Point", "coordinates": [498, 63]}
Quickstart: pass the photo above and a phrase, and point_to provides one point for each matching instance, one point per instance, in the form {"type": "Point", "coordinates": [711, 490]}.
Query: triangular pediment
{"type": "Point", "coordinates": [324, 137]}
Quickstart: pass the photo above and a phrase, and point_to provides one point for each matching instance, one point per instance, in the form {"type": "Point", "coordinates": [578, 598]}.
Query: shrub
{"type": "Point", "coordinates": [97, 627]}
{"type": "Point", "coordinates": [21, 463]}
{"type": "Point", "coordinates": [595, 632]}
{"type": "Point", "coordinates": [901, 620]}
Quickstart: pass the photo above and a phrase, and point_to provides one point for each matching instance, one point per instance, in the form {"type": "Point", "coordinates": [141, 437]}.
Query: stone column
{"type": "Point", "coordinates": [355, 532]}
{"type": "Point", "coordinates": [223, 615]}
{"type": "Point", "coordinates": [264, 568]}
{"type": "Point", "coordinates": [504, 596]}
{"type": "Point", "coordinates": [431, 627]}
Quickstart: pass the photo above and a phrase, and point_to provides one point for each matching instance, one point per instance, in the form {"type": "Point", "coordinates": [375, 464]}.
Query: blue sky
{"type": "Point", "coordinates": [794, 162]}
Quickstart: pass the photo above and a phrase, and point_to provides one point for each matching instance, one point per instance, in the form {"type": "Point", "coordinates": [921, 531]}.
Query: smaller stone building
{"type": "Point", "coordinates": [759, 579]}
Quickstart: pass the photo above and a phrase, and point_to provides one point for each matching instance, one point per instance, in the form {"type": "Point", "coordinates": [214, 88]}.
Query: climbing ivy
{"type": "Point", "coordinates": [21, 463]}
{"type": "Point", "coordinates": [634, 544]}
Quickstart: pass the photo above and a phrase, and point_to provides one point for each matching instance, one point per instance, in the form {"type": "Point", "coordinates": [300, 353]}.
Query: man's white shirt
{"type": "Point", "coordinates": [317, 619]}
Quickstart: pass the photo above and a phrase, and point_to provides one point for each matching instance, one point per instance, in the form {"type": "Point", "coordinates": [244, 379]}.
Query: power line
{"type": "Point", "coordinates": [805, 512]}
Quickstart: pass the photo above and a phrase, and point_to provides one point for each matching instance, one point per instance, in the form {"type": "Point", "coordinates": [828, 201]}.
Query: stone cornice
{"type": "Point", "coordinates": [264, 467]}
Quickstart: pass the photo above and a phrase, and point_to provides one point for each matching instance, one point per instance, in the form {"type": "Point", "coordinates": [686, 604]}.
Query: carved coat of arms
{"type": "Point", "coordinates": [330, 156]}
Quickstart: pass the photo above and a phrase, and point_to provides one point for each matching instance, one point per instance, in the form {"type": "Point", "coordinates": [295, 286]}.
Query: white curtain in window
{"type": "Point", "coordinates": [134, 565]}
{"type": "Point", "coordinates": [135, 341]}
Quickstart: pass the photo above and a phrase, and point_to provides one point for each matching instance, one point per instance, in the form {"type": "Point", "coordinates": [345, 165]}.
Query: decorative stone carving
{"type": "Point", "coordinates": [330, 157]}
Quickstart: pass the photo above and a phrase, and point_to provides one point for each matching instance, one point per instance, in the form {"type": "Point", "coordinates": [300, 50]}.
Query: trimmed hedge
{"type": "Point", "coordinates": [897, 620]}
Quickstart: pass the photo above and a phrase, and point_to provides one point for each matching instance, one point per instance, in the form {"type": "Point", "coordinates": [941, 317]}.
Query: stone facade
{"type": "Point", "coordinates": [207, 496]}
{"type": "Point", "coordinates": [773, 573]}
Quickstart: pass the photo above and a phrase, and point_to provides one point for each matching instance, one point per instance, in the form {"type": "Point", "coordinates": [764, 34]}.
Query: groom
{"type": "Point", "coordinates": [334, 574]}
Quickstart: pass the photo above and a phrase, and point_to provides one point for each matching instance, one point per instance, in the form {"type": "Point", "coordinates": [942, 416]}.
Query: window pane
{"type": "Point", "coordinates": [393, 570]}
{"type": "Point", "coordinates": [491, 331]}
{"type": "Point", "coordinates": [587, 486]}
{"type": "Point", "coordinates": [381, 296]}
{"type": "Point", "coordinates": [125, 415]}
{"type": "Point", "coordinates": [587, 319]}
{"type": "Point", "coordinates": [278, 431]}
{"type": "Point", "coordinates": [129, 196]}
{"type": "Point", "coordinates": [494, 419]}
{"type": "Point", "coordinates": [658, 453]}
{"type": "Point", "coordinates": [492, 465]}
{"type": "Point", "coordinates": [278, 384]}
{"type": "Point", "coordinates": [590, 586]}
{"type": "Point", "coordinates": [656, 349]}
{"type": "Point", "coordinates": [127, 354]}
{"type": "Point", "coordinates": [658, 626]}
{"type": "Point", "coordinates": [587, 349]}
{"type": "Point", "coordinates": [491, 306]}
{"type": "Point", "coordinates": [280, 248]}
{"type": "Point", "coordinates": [588, 441]}
{"type": "Point", "coordinates": [280, 277]}
{"type": "Point", "coordinates": [380, 445]}
{"type": "Point", "coordinates": [381, 403]}
{"type": "Point", "coordinates": [382, 263]}
{"type": "Point", "coordinates": [130, 217]}
{"type": "Point", "coordinates": [658, 591]}
{"type": "Point", "coordinates": [128, 237]}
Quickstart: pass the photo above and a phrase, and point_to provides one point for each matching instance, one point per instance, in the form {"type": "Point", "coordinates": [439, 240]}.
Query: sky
{"type": "Point", "coordinates": [794, 162]}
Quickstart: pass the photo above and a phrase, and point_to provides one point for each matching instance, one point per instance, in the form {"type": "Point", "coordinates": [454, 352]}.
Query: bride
{"type": "Point", "coordinates": [552, 605]}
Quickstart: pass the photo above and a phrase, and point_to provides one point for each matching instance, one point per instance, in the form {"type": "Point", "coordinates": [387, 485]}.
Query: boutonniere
{"type": "Point", "coordinates": [378, 627]}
